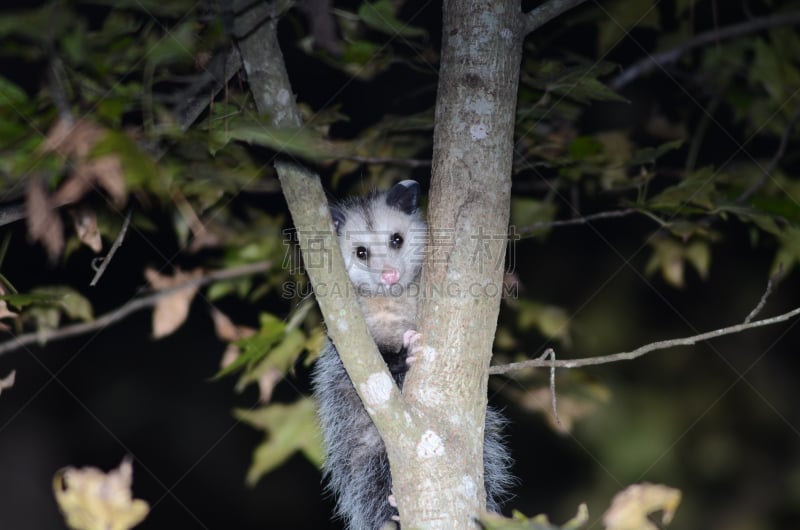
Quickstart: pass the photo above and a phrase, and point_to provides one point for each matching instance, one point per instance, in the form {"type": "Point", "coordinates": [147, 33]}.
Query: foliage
{"type": "Point", "coordinates": [699, 150]}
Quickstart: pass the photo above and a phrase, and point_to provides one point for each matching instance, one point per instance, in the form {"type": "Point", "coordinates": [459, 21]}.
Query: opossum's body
{"type": "Point", "coordinates": [382, 238]}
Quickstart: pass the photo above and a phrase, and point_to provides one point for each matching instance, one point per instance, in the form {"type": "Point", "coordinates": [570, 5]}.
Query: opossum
{"type": "Point", "coordinates": [382, 238]}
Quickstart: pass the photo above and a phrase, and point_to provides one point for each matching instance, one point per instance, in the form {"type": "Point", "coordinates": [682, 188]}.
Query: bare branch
{"type": "Point", "coordinates": [528, 230]}
{"type": "Point", "coordinates": [196, 98]}
{"type": "Point", "coordinates": [55, 85]}
{"type": "Point", "coordinates": [775, 278]}
{"type": "Point", "coordinates": [638, 352]}
{"type": "Point", "coordinates": [10, 213]}
{"type": "Point", "coordinates": [105, 260]}
{"type": "Point", "coordinates": [134, 305]}
{"type": "Point", "coordinates": [649, 63]}
{"type": "Point", "coordinates": [541, 15]}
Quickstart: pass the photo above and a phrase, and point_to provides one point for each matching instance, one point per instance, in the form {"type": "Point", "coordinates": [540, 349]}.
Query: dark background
{"type": "Point", "coordinates": [719, 421]}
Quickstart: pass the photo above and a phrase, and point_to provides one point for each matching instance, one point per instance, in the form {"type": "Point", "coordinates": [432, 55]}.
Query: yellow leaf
{"type": "Point", "coordinates": [630, 508]}
{"type": "Point", "coordinates": [93, 500]}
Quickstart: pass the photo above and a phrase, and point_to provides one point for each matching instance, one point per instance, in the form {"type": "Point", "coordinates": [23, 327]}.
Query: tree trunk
{"type": "Point", "coordinates": [442, 487]}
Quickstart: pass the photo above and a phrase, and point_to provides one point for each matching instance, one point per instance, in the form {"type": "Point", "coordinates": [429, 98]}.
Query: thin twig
{"type": "Point", "coordinates": [544, 13]}
{"type": "Point", "coordinates": [57, 92]}
{"type": "Point", "coordinates": [775, 278]}
{"type": "Point", "coordinates": [550, 352]}
{"type": "Point", "coordinates": [105, 260]}
{"type": "Point", "coordinates": [773, 163]}
{"type": "Point", "coordinates": [650, 62]}
{"type": "Point", "coordinates": [638, 352]}
{"type": "Point", "coordinates": [542, 225]}
{"type": "Point", "coordinates": [134, 305]}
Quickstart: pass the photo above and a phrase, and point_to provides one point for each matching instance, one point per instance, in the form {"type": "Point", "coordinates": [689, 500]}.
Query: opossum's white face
{"type": "Point", "coordinates": [382, 238]}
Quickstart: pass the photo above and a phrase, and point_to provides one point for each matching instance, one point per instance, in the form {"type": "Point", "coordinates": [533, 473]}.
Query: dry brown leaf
{"type": "Point", "coordinates": [86, 227]}
{"type": "Point", "coordinates": [76, 141]}
{"type": "Point", "coordinates": [72, 139]}
{"type": "Point", "coordinates": [232, 352]}
{"type": "Point", "coordinates": [171, 311]}
{"type": "Point", "coordinates": [226, 330]}
{"type": "Point", "coordinates": [267, 382]}
{"type": "Point", "coordinates": [7, 381]}
{"type": "Point", "coordinates": [201, 236]}
{"type": "Point", "coordinates": [44, 223]}
{"type": "Point", "coordinates": [630, 508]}
{"type": "Point", "coordinates": [223, 326]}
{"type": "Point", "coordinates": [93, 500]}
{"type": "Point", "coordinates": [107, 172]}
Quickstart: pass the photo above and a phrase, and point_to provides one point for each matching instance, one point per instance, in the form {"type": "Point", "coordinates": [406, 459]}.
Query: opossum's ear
{"type": "Point", "coordinates": [338, 218]}
{"type": "Point", "coordinates": [404, 196]}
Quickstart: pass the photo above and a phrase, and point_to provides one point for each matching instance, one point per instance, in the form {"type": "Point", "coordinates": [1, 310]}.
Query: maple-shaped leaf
{"type": "Point", "coordinates": [289, 429]}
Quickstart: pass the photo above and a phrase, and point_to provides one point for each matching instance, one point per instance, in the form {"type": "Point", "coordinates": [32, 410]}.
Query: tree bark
{"type": "Point", "coordinates": [463, 273]}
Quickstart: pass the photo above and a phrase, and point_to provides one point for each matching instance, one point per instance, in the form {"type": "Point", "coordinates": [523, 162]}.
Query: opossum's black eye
{"type": "Point", "coordinates": [396, 241]}
{"type": "Point", "coordinates": [362, 253]}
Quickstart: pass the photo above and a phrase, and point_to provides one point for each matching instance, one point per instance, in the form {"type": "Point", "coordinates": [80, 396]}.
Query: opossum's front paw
{"type": "Point", "coordinates": [411, 344]}
{"type": "Point", "coordinates": [393, 504]}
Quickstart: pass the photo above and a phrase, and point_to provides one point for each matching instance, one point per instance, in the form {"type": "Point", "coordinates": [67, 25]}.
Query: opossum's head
{"type": "Point", "coordinates": [382, 237]}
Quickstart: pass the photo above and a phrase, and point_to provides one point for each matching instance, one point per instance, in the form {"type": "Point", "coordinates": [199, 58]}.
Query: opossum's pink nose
{"type": "Point", "coordinates": [390, 276]}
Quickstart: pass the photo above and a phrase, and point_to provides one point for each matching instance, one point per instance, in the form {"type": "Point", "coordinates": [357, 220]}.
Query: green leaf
{"type": "Point", "coordinates": [788, 254]}
{"type": "Point", "coordinates": [65, 299]}
{"type": "Point", "coordinates": [11, 95]}
{"type": "Point", "coordinates": [30, 23]}
{"type": "Point", "coordinates": [21, 300]}
{"type": "Point", "coordinates": [281, 358]}
{"type": "Point", "coordinates": [695, 190]}
{"type": "Point", "coordinates": [258, 346]}
{"type": "Point", "coordinates": [139, 168]}
{"type": "Point", "coordinates": [151, 8]}
{"type": "Point", "coordinates": [289, 429]}
{"type": "Point", "coordinates": [526, 213]}
{"type": "Point", "coordinates": [360, 52]}
{"type": "Point", "coordinates": [302, 142]}
{"type": "Point", "coordinates": [175, 47]}
{"type": "Point", "coordinates": [551, 321]}
{"type": "Point", "coordinates": [380, 16]}
{"type": "Point", "coordinates": [649, 155]}
{"type": "Point", "coordinates": [583, 147]}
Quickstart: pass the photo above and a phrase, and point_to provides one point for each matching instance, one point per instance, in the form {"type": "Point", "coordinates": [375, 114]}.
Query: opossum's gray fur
{"type": "Point", "coordinates": [356, 466]}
